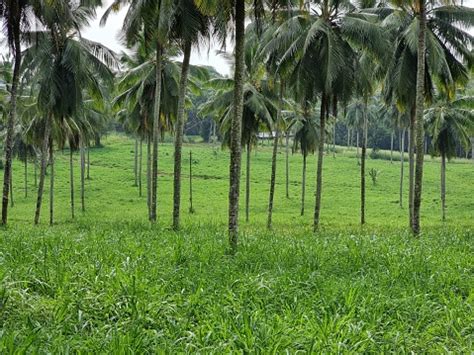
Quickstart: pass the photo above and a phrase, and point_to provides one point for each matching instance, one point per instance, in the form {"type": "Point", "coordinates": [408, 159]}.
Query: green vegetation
{"type": "Point", "coordinates": [111, 282]}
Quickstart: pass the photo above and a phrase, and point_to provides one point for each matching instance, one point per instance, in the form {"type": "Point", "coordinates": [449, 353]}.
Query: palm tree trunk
{"type": "Point", "coordinates": [274, 157]}
{"type": "Point", "coordinates": [443, 186]}
{"type": "Point", "coordinates": [12, 201]}
{"type": "Point", "coordinates": [51, 182]}
{"type": "Point", "coordinates": [88, 163]}
{"type": "Point", "coordinates": [391, 147]}
{"type": "Point", "coordinates": [71, 179]}
{"type": "Point", "coordinates": [348, 137]}
{"type": "Point", "coordinates": [11, 126]}
{"type": "Point", "coordinates": [26, 175]}
{"type": "Point", "coordinates": [287, 163]}
{"type": "Point", "coordinates": [156, 133]}
{"type": "Point", "coordinates": [148, 175]}
{"type": "Point", "coordinates": [334, 112]}
{"type": "Point", "coordinates": [178, 142]}
{"type": "Point", "coordinates": [135, 163]}
{"type": "Point", "coordinates": [35, 174]}
{"type": "Point", "coordinates": [411, 167]}
{"type": "Point", "coordinates": [247, 183]}
{"type": "Point", "coordinates": [362, 167]}
{"type": "Point", "coordinates": [191, 208]}
{"type": "Point", "coordinates": [236, 125]}
{"type": "Point", "coordinates": [140, 168]}
{"type": "Point", "coordinates": [83, 170]}
{"type": "Point", "coordinates": [357, 144]}
{"type": "Point", "coordinates": [303, 185]}
{"type": "Point", "coordinates": [44, 166]}
{"type": "Point", "coordinates": [402, 155]}
{"type": "Point", "coordinates": [319, 173]}
{"type": "Point", "coordinates": [420, 133]}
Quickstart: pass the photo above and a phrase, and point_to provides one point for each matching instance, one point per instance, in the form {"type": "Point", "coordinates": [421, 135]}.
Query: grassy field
{"type": "Point", "coordinates": [109, 282]}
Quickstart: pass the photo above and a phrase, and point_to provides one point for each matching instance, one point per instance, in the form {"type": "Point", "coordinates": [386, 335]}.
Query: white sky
{"type": "Point", "coordinates": [109, 36]}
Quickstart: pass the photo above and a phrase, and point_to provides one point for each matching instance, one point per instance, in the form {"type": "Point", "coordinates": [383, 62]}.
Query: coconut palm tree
{"type": "Point", "coordinates": [449, 122]}
{"type": "Point", "coordinates": [60, 60]}
{"type": "Point", "coordinates": [190, 27]}
{"type": "Point", "coordinates": [13, 15]}
{"type": "Point", "coordinates": [431, 43]}
{"type": "Point", "coordinates": [327, 36]}
{"type": "Point", "coordinates": [150, 20]}
{"type": "Point", "coordinates": [306, 140]}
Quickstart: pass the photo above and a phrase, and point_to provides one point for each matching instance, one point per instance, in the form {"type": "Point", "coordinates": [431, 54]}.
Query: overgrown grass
{"type": "Point", "coordinates": [111, 283]}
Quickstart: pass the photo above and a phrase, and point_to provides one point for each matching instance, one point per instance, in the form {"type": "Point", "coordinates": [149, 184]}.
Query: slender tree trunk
{"type": "Point", "coordinates": [83, 170]}
{"type": "Point", "coordinates": [348, 137]}
{"type": "Point", "coordinates": [236, 126]}
{"type": "Point", "coordinates": [247, 183]}
{"type": "Point", "coordinates": [156, 134]}
{"type": "Point", "coordinates": [472, 148]}
{"type": "Point", "coordinates": [12, 201]}
{"type": "Point", "coordinates": [8, 168]}
{"type": "Point", "coordinates": [88, 163]}
{"type": "Point", "coordinates": [140, 169]}
{"type": "Point", "coordinates": [411, 167]}
{"type": "Point", "coordinates": [443, 186]}
{"type": "Point", "coordinates": [178, 142]}
{"type": "Point", "coordinates": [148, 175]}
{"type": "Point", "coordinates": [402, 155]}
{"type": "Point", "coordinates": [391, 147]}
{"type": "Point", "coordinates": [35, 174]}
{"type": "Point", "coordinates": [26, 175]}
{"type": "Point", "coordinates": [357, 143]}
{"type": "Point", "coordinates": [334, 112]}
{"type": "Point", "coordinates": [191, 208]}
{"type": "Point", "coordinates": [135, 163]}
{"type": "Point", "coordinates": [319, 173]}
{"type": "Point", "coordinates": [303, 185]}
{"type": "Point", "coordinates": [420, 132]}
{"type": "Point", "coordinates": [287, 164]}
{"type": "Point", "coordinates": [274, 157]}
{"type": "Point", "coordinates": [44, 166]}
{"type": "Point", "coordinates": [362, 167]}
{"type": "Point", "coordinates": [51, 182]}
{"type": "Point", "coordinates": [71, 178]}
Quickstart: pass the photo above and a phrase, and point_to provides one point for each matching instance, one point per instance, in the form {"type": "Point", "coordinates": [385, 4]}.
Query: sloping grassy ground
{"type": "Point", "coordinates": [109, 282]}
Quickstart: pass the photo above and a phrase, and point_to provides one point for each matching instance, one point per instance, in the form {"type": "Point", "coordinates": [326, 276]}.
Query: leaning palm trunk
{"type": "Point", "coordinates": [303, 185]}
{"type": "Point", "coordinates": [51, 182]}
{"type": "Point", "coordinates": [443, 186]}
{"type": "Point", "coordinates": [156, 134]}
{"type": "Point", "coordinates": [44, 165]}
{"type": "Point", "coordinates": [362, 167]}
{"type": "Point", "coordinates": [83, 163]}
{"type": "Point", "coordinates": [319, 172]}
{"type": "Point", "coordinates": [274, 158]}
{"type": "Point", "coordinates": [236, 125]}
{"type": "Point", "coordinates": [71, 178]}
{"type": "Point", "coordinates": [247, 183]}
{"type": "Point", "coordinates": [178, 142]}
{"type": "Point", "coordinates": [402, 155]}
{"type": "Point", "coordinates": [35, 173]}
{"type": "Point", "coordinates": [11, 130]}
{"type": "Point", "coordinates": [420, 134]}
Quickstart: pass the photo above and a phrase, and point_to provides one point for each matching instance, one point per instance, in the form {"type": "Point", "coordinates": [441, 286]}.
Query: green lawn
{"type": "Point", "coordinates": [109, 282]}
